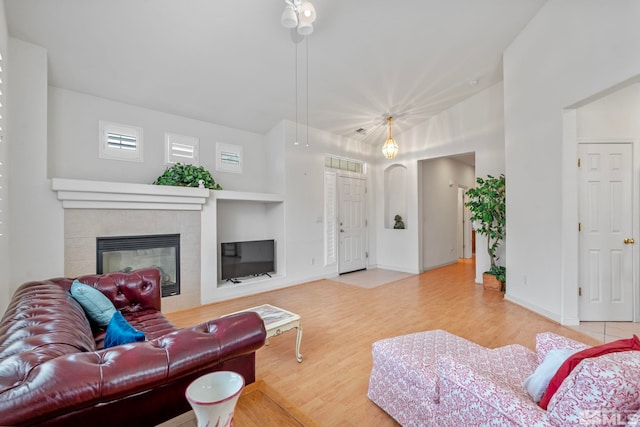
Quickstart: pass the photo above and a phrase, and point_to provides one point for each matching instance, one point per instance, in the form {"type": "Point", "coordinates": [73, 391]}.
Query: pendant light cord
{"type": "Point", "coordinates": [307, 91]}
{"type": "Point", "coordinates": [295, 46]}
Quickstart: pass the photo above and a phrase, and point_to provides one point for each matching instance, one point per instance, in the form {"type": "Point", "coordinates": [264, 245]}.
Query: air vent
{"type": "Point", "coordinates": [361, 131]}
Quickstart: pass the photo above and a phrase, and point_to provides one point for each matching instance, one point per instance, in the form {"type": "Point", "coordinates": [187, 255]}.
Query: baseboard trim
{"type": "Point", "coordinates": [532, 307]}
{"type": "Point", "coordinates": [396, 268]}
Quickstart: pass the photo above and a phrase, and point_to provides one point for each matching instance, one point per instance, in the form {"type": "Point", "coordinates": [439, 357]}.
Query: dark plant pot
{"type": "Point", "coordinates": [491, 282]}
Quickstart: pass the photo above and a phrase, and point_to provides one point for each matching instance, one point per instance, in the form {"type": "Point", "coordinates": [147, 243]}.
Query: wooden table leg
{"type": "Point", "coordinates": [298, 339]}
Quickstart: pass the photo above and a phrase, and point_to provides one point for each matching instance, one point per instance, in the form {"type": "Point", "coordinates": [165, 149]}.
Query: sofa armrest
{"type": "Point", "coordinates": [497, 397]}
{"type": "Point", "coordinates": [547, 341]}
{"type": "Point", "coordinates": [229, 336]}
{"type": "Point", "coordinates": [80, 380]}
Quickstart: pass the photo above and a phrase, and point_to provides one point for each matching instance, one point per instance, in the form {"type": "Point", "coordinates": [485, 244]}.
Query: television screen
{"type": "Point", "coordinates": [242, 259]}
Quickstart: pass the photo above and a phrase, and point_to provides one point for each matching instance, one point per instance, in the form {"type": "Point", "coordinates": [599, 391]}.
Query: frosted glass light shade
{"type": "Point", "coordinates": [289, 19]}
{"type": "Point", "coordinates": [307, 12]}
{"type": "Point", "coordinates": [305, 28]}
{"type": "Point", "coordinates": [390, 148]}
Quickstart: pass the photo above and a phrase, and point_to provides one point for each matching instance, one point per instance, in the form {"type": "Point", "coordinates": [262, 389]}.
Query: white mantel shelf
{"type": "Point", "coordinates": [80, 194]}
{"type": "Point", "coordinates": [249, 197]}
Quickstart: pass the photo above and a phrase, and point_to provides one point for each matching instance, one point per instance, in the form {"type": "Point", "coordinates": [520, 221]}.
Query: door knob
{"type": "Point", "coordinates": [629, 241]}
{"type": "Point", "coordinates": [342, 231]}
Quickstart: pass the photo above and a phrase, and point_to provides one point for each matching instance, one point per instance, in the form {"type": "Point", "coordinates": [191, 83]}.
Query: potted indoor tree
{"type": "Point", "coordinates": [487, 204]}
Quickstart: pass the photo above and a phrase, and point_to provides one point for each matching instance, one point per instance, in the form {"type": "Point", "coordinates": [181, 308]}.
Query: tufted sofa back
{"type": "Point", "coordinates": [44, 322]}
{"type": "Point", "coordinates": [130, 292]}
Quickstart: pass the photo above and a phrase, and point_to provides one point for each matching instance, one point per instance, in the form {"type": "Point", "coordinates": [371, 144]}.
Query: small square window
{"type": "Point", "coordinates": [181, 149]}
{"type": "Point", "coordinates": [120, 142]}
{"type": "Point", "coordinates": [228, 158]}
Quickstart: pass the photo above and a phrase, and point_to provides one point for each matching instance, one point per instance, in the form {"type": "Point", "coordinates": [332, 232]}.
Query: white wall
{"type": "Point", "coordinates": [73, 136]}
{"type": "Point", "coordinates": [474, 125]}
{"type": "Point", "coordinates": [440, 181]}
{"type": "Point", "coordinates": [5, 254]}
{"type": "Point", "coordinates": [304, 202]}
{"type": "Point", "coordinates": [614, 116]}
{"type": "Point", "coordinates": [37, 240]}
{"type": "Point", "coordinates": [570, 51]}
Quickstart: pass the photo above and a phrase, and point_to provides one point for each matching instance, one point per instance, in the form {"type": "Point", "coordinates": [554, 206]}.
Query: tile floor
{"type": "Point", "coordinates": [608, 331]}
{"type": "Point", "coordinates": [371, 278]}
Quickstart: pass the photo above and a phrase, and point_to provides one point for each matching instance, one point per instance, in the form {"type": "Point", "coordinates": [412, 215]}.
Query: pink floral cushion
{"type": "Point", "coordinates": [622, 345]}
{"type": "Point", "coordinates": [549, 341]}
{"type": "Point", "coordinates": [403, 378]}
{"type": "Point", "coordinates": [609, 385]}
{"type": "Point", "coordinates": [482, 395]}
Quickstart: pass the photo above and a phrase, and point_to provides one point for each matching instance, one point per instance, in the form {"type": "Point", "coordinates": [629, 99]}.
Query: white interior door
{"type": "Point", "coordinates": [606, 232]}
{"type": "Point", "coordinates": [352, 224]}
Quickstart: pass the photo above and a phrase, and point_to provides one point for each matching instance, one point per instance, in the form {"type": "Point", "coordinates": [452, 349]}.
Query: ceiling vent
{"type": "Point", "coordinates": [361, 131]}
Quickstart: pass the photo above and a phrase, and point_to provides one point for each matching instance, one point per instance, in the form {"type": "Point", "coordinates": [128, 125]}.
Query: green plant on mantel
{"type": "Point", "coordinates": [487, 203]}
{"type": "Point", "coordinates": [187, 176]}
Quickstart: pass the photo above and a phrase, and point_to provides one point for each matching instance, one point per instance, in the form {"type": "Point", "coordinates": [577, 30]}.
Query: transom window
{"type": "Point", "coordinates": [345, 164]}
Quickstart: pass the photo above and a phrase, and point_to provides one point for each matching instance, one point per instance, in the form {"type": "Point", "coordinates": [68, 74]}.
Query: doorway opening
{"type": "Point", "coordinates": [446, 233]}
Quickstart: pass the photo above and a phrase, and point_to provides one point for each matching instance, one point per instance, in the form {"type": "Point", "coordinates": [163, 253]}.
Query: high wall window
{"type": "Point", "coordinates": [120, 142]}
{"type": "Point", "coordinates": [181, 149]}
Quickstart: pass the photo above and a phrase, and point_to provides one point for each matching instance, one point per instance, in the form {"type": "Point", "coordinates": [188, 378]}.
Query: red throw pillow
{"type": "Point", "coordinates": [568, 365]}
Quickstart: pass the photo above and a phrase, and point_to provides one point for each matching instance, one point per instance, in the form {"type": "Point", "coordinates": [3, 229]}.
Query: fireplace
{"type": "Point", "coordinates": [126, 253]}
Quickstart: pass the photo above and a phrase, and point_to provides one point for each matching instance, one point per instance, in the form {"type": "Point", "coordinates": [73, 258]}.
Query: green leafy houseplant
{"type": "Point", "coordinates": [187, 176]}
{"type": "Point", "coordinates": [487, 204]}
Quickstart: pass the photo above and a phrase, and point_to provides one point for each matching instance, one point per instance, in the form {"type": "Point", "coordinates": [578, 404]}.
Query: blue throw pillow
{"type": "Point", "coordinates": [96, 305]}
{"type": "Point", "coordinates": [120, 331]}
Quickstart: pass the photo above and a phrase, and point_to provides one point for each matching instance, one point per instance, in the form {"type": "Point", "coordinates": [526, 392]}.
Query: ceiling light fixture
{"type": "Point", "coordinates": [390, 146]}
{"type": "Point", "coordinates": [299, 13]}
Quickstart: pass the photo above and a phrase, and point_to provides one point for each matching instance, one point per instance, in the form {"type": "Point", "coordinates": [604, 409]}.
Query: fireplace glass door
{"type": "Point", "coordinates": [128, 253]}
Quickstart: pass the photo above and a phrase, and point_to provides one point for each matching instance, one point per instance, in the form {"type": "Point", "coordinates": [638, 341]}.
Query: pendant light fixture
{"type": "Point", "coordinates": [390, 146]}
{"type": "Point", "coordinates": [299, 13]}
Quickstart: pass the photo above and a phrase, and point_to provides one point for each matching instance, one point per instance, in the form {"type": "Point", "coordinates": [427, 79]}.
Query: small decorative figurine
{"type": "Point", "coordinates": [399, 225]}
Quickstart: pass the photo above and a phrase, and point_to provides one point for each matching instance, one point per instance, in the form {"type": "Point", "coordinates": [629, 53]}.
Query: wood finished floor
{"type": "Point", "coordinates": [341, 321]}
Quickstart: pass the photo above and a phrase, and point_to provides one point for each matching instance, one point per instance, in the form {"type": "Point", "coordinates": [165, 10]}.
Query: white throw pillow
{"type": "Point", "coordinates": [538, 382]}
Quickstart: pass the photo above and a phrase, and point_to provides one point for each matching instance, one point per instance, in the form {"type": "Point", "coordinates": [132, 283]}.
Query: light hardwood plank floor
{"type": "Point", "coordinates": [341, 321]}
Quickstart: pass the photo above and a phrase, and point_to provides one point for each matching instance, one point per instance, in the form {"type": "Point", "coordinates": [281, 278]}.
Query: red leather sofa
{"type": "Point", "coordinates": [54, 371]}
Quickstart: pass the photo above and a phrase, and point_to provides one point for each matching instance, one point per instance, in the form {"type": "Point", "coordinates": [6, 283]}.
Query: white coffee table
{"type": "Point", "coordinates": [278, 320]}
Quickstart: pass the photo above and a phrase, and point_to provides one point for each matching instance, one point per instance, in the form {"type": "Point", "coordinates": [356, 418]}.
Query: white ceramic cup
{"type": "Point", "coordinates": [213, 397]}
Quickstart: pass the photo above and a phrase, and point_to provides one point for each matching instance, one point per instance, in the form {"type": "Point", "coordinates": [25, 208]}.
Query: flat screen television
{"type": "Point", "coordinates": [243, 259]}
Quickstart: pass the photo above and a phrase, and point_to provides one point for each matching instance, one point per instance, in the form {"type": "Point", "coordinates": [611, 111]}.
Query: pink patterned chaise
{"type": "Point", "coordinates": [435, 378]}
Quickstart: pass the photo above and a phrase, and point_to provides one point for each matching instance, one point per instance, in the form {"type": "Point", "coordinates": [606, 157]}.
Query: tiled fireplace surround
{"type": "Point", "coordinates": [100, 209]}
{"type": "Point", "coordinates": [82, 226]}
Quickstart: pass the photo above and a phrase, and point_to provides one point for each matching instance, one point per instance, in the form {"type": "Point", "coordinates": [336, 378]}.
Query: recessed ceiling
{"type": "Point", "coordinates": [231, 63]}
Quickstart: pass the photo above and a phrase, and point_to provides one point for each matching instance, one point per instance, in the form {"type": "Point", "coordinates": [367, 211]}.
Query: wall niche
{"type": "Point", "coordinates": [395, 195]}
